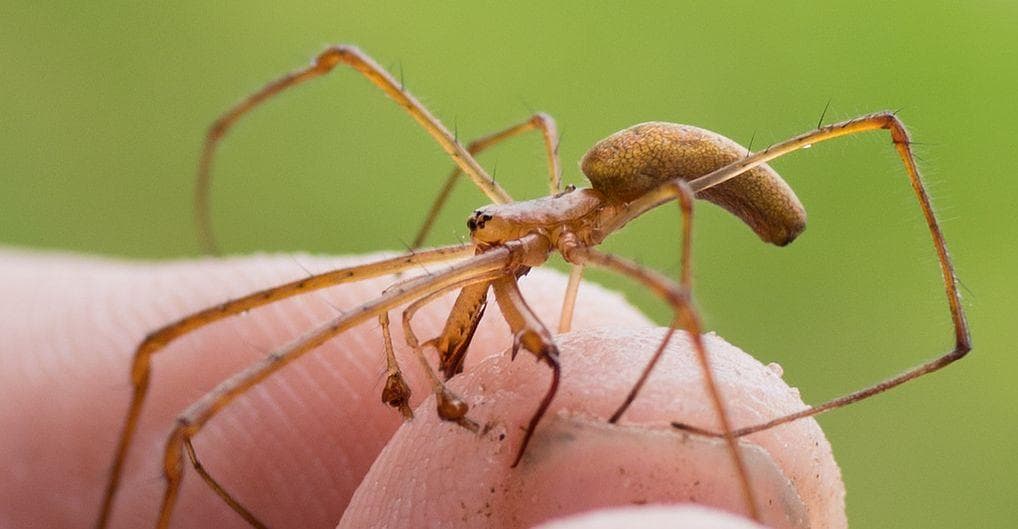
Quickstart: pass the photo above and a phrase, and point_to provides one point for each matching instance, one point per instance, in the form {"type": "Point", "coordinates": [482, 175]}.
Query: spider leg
{"type": "Point", "coordinates": [220, 491]}
{"type": "Point", "coordinates": [452, 344]}
{"type": "Point", "coordinates": [539, 121]}
{"type": "Point", "coordinates": [449, 406]}
{"type": "Point", "coordinates": [141, 366]}
{"type": "Point", "coordinates": [685, 199]}
{"type": "Point", "coordinates": [686, 317]}
{"type": "Point", "coordinates": [396, 392]}
{"type": "Point", "coordinates": [459, 328]}
{"type": "Point", "coordinates": [902, 143]}
{"type": "Point", "coordinates": [323, 64]}
{"type": "Point", "coordinates": [565, 320]}
{"type": "Point", "coordinates": [198, 414]}
{"type": "Point", "coordinates": [530, 333]}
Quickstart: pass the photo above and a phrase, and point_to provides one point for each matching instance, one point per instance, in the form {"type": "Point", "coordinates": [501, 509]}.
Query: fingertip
{"type": "Point", "coordinates": [434, 471]}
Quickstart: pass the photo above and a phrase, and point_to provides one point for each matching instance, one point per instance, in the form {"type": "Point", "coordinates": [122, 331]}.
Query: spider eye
{"type": "Point", "coordinates": [472, 224]}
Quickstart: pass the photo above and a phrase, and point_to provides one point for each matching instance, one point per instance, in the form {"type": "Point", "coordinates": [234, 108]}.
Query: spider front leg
{"type": "Point", "coordinates": [141, 367]}
{"type": "Point", "coordinates": [197, 415]}
{"type": "Point", "coordinates": [323, 64]}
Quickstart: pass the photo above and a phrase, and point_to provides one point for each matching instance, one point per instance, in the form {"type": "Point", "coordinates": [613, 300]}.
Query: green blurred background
{"type": "Point", "coordinates": [104, 106]}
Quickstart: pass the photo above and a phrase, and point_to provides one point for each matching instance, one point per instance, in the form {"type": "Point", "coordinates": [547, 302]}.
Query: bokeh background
{"type": "Point", "coordinates": [103, 107]}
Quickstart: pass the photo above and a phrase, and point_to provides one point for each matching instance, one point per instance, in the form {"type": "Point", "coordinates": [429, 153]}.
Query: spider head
{"type": "Point", "coordinates": [477, 221]}
{"type": "Point", "coordinates": [487, 227]}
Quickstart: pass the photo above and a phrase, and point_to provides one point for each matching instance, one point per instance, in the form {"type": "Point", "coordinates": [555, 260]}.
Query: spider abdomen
{"type": "Point", "coordinates": [635, 160]}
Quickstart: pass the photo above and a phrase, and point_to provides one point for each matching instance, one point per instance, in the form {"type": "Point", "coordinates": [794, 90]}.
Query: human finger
{"type": "Point", "coordinates": [432, 474]}
{"type": "Point", "coordinates": [292, 450]}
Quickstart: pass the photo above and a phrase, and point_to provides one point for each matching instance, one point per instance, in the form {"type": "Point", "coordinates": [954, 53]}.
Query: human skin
{"type": "Point", "coordinates": [295, 449]}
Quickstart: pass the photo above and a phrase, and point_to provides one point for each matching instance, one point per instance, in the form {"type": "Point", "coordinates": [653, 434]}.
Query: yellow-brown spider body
{"type": "Point", "coordinates": [632, 172]}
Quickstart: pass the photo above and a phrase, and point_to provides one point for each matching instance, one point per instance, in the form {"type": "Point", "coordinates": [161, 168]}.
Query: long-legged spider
{"type": "Point", "coordinates": [631, 172]}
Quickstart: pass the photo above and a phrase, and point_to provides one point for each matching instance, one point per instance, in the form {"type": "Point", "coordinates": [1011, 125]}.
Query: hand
{"type": "Point", "coordinates": [295, 448]}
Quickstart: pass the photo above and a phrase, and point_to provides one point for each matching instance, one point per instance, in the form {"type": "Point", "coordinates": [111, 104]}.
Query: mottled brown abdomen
{"type": "Point", "coordinates": [633, 161]}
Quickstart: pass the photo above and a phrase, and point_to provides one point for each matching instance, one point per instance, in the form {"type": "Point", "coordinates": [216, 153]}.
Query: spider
{"type": "Point", "coordinates": [631, 172]}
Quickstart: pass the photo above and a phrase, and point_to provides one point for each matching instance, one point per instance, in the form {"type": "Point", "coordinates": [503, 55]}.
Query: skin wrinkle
{"type": "Point", "coordinates": [170, 281]}
{"type": "Point", "coordinates": [359, 343]}
{"type": "Point", "coordinates": [243, 331]}
{"type": "Point", "coordinates": [312, 313]}
{"type": "Point", "coordinates": [233, 431]}
{"type": "Point", "coordinates": [255, 337]}
{"type": "Point", "coordinates": [285, 313]}
{"type": "Point", "coordinates": [317, 468]}
{"type": "Point", "coordinates": [178, 297]}
{"type": "Point", "coordinates": [51, 366]}
{"type": "Point", "coordinates": [67, 349]}
{"type": "Point", "coordinates": [302, 455]}
{"type": "Point", "coordinates": [308, 381]}
{"type": "Point", "coordinates": [338, 415]}
{"type": "Point", "coordinates": [46, 365]}
{"type": "Point", "coordinates": [263, 453]}
{"type": "Point", "coordinates": [340, 380]}
{"type": "Point", "coordinates": [108, 325]}
{"type": "Point", "coordinates": [62, 345]}
{"type": "Point", "coordinates": [272, 452]}
{"type": "Point", "coordinates": [321, 295]}
{"type": "Point", "coordinates": [279, 449]}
